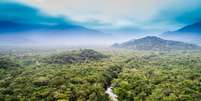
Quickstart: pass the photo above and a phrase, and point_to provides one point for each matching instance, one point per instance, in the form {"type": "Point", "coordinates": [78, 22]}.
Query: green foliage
{"type": "Point", "coordinates": [82, 81]}
{"type": "Point", "coordinates": [84, 75]}
{"type": "Point", "coordinates": [75, 57]}
{"type": "Point", "coordinates": [7, 63]}
{"type": "Point", "coordinates": [160, 77]}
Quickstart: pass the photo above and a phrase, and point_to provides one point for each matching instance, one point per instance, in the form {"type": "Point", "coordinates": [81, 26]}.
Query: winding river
{"type": "Point", "coordinates": [112, 96]}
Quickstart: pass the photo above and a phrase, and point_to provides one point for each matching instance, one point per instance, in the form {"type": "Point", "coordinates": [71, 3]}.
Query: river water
{"type": "Point", "coordinates": [112, 96]}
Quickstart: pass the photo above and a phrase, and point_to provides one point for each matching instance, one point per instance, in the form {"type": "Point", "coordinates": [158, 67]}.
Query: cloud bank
{"type": "Point", "coordinates": [113, 14]}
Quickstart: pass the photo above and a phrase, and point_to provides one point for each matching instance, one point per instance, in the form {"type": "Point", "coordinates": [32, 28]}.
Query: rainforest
{"type": "Point", "coordinates": [85, 75]}
{"type": "Point", "coordinates": [100, 50]}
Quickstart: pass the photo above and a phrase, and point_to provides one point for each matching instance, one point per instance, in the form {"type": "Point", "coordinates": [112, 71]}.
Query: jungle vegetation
{"type": "Point", "coordinates": [84, 75]}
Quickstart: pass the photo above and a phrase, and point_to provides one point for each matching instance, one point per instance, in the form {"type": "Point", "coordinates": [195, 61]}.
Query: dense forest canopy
{"type": "Point", "coordinates": [84, 75]}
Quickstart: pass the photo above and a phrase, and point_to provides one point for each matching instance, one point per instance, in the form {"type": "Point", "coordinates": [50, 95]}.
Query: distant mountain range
{"type": "Point", "coordinates": [190, 33]}
{"type": "Point", "coordinates": [17, 27]}
{"type": "Point", "coordinates": [14, 33]}
{"type": "Point", "coordinates": [18, 18]}
{"type": "Point", "coordinates": [21, 24]}
{"type": "Point", "coordinates": [154, 43]}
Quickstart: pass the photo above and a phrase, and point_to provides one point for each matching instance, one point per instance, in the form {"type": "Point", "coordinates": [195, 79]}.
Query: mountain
{"type": "Point", "coordinates": [15, 33]}
{"type": "Point", "coordinates": [156, 44]}
{"type": "Point", "coordinates": [33, 27]}
{"type": "Point", "coordinates": [15, 27]}
{"type": "Point", "coordinates": [32, 19]}
{"type": "Point", "coordinates": [190, 33]}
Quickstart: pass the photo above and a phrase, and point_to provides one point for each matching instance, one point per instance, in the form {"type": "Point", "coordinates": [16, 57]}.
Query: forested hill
{"type": "Point", "coordinates": [75, 57]}
{"type": "Point", "coordinates": [156, 44]}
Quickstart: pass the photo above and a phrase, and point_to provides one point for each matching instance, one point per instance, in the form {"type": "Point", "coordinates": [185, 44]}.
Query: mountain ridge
{"type": "Point", "coordinates": [156, 44]}
{"type": "Point", "coordinates": [190, 33]}
{"type": "Point", "coordinates": [33, 27]}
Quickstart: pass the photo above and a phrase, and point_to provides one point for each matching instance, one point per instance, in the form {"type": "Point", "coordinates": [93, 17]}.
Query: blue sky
{"type": "Point", "coordinates": [107, 15]}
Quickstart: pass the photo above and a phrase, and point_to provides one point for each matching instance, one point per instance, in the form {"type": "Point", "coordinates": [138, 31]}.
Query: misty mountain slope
{"type": "Point", "coordinates": [190, 33]}
{"type": "Point", "coordinates": [194, 28]}
{"type": "Point", "coordinates": [32, 19]}
{"type": "Point", "coordinates": [156, 44]}
{"type": "Point", "coordinates": [17, 27]}
{"type": "Point", "coordinates": [31, 26]}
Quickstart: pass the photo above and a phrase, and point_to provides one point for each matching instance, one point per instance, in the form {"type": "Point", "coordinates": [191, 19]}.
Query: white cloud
{"type": "Point", "coordinates": [113, 12]}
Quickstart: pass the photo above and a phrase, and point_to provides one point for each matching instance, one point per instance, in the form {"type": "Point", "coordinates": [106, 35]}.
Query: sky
{"type": "Point", "coordinates": [118, 17]}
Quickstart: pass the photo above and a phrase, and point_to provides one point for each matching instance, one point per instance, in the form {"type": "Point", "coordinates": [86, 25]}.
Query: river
{"type": "Point", "coordinates": [112, 96]}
